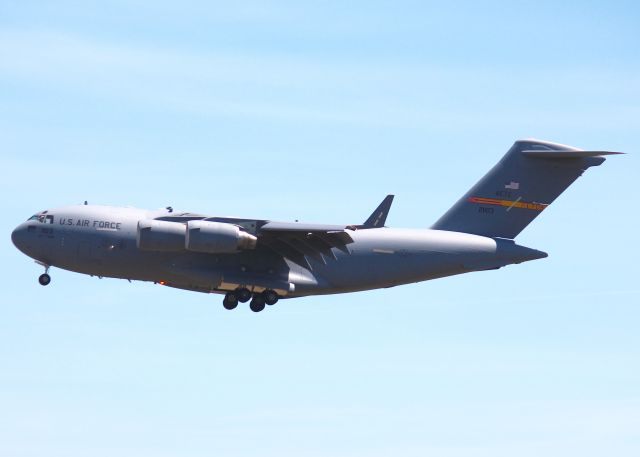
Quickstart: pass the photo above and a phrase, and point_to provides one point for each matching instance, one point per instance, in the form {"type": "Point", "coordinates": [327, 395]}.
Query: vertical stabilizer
{"type": "Point", "coordinates": [530, 176]}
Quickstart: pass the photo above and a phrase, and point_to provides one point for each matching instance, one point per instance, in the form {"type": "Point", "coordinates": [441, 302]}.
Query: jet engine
{"type": "Point", "coordinates": [160, 236]}
{"type": "Point", "coordinates": [217, 238]}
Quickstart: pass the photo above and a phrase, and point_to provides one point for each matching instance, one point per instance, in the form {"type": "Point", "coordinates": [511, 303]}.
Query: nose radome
{"type": "Point", "coordinates": [18, 235]}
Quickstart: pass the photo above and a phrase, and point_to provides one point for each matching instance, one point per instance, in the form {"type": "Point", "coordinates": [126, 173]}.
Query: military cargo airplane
{"type": "Point", "coordinates": [261, 260]}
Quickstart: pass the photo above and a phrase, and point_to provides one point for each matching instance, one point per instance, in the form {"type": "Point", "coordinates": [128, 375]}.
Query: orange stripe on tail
{"type": "Point", "coordinates": [508, 203]}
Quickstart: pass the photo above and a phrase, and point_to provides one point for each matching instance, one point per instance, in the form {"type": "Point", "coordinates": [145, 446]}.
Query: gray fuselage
{"type": "Point", "coordinates": [102, 241]}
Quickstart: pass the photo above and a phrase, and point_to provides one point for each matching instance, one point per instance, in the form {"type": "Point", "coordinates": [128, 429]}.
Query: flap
{"type": "Point", "coordinates": [302, 243]}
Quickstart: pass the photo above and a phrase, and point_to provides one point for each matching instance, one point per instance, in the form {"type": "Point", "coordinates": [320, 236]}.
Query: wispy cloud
{"type": "Point", "coordinates": [287, 86]}
{"type": "Point", "coordinates": [215, 83]}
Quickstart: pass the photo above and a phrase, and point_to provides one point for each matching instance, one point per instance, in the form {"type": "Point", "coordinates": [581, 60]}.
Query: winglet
{"type": "Point", "coordinates": [379, 216]}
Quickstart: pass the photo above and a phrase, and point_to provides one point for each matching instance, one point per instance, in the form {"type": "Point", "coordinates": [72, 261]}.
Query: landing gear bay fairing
{"type": "Point", "coordinates": [262, 261]}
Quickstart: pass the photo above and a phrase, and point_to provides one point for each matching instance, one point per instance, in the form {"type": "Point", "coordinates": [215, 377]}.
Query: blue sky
{"type": "Point", "coordinates": [315, 112]}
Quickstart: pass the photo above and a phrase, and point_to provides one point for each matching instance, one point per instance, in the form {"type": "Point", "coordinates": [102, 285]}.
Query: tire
{"type": "Point", "coordinates": [270, 297]}
{"type": "Point", "coordinates": [44, 279]}
{"type": "Point", "coordinates": [229, 305]}
{"type": "Point", "coordinates": [243, 294]}
{"type": "Point", "coordinates": [230, 301]}
{"type": "Point", "coordinates": [257, 304]}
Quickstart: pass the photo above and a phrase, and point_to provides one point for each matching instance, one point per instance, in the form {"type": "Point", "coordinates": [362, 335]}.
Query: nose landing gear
{"type": "Point", "coordinates": [44, 279]}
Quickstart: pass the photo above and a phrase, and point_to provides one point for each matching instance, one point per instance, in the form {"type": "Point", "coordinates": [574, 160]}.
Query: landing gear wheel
{"type": "Point", "coordinates": [243, 294]}
{"type": "Point", "coordinates": [230, 301]}
{"type": "Point", "coordinates": [44, 279]}
{"type": "Point", "coordinates": [257, 303]}
{"type": "Point", "coordinates": [270, 297]}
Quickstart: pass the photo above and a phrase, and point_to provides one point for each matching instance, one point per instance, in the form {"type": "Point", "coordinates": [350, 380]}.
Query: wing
{"type": "Point", "coordinates": [295, 241]}
{"type": "Point", "coordinates": [301, 242]}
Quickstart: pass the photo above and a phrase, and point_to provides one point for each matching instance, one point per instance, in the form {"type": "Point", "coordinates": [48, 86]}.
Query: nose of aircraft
{"type": "Point", "coordinates": [18, 236]}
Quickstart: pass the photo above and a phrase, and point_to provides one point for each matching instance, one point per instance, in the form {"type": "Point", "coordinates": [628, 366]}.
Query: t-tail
{"type": "Point", "coordinates": [530, 176]}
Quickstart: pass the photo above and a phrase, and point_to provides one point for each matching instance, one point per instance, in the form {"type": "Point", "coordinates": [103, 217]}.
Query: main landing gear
{"type": "Point", "coordinates": [258, 300]}
{"type": "Point", "coordinates": [257, 303]}
{"type": "Point", "coordinates": [242, 295]}
{"type": "Point", "coordinates": [230, 300]}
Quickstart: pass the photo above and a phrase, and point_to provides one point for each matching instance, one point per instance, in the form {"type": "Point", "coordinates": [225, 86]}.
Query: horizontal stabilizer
{"type": "Point", "coordinates": [550, 154]}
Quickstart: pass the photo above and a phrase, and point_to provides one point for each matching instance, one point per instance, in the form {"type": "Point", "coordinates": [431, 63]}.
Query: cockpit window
{"type": "Point", "coordinates": [43, 218]}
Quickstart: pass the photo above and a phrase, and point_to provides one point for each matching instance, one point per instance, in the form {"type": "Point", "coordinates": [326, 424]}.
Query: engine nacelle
{"type": "Point", "coordinates": [160, 236]}
{"type": "Point", "coordinates": [217, 238]}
